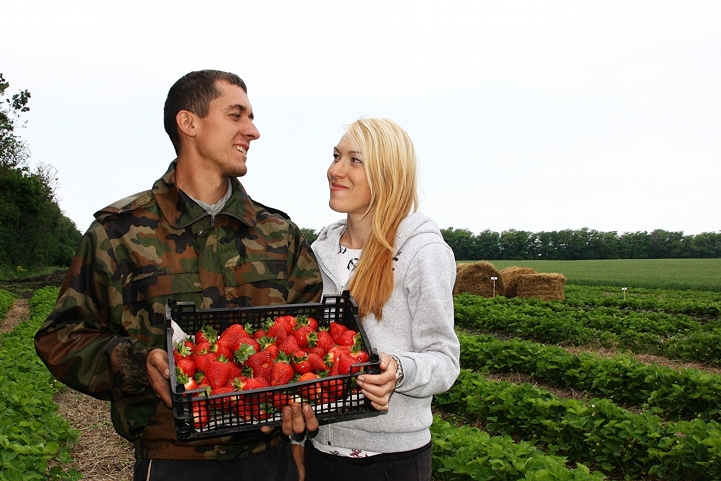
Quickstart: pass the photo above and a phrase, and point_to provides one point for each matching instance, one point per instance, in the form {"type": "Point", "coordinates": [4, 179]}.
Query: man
{"type": "Point", "coordinates": [195, 236]}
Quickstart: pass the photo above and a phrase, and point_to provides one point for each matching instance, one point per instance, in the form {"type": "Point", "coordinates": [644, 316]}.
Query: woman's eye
{"type": "Point", "coordinates": [336, 156]}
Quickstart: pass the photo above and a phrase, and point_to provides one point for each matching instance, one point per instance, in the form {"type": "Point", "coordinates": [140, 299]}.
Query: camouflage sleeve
{"type": "Point", "coordinates": [82, 342]}
{"type": "Point", "coordinates": [305, 281]}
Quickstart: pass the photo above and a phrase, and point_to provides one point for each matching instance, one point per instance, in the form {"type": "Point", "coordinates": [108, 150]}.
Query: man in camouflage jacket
{"type": "Point", "coordinates": [106, 334]}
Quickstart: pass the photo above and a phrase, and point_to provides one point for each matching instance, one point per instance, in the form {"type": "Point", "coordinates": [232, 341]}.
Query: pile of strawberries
{"type": "Point", "coordinates": [285, 350]}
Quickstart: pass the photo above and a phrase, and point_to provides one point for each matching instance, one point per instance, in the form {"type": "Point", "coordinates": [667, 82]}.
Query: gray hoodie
{"type": "Point", "coordinates": [417, 326]}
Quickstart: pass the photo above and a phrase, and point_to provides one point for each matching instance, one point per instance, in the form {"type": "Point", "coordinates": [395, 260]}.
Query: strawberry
{"type": "Point", "coordinates": [268, 344]}
{"type": "Point", "coordinates": [325, 340]}
{"type": "Point", "coordinates": [201, 416]}
{"type": "Point", "coordinates": [300, 362]}
{"type": "Point", "coordinates": [244, 351]}
{"type": "Point", "coordinates": [187, 366]}
{"type": "Point", "coordinates": [307, 321]}
{"type": "Point", "coordinates": [336, 328]}
{"type": "Point", "coordinates": [316, 363]}
{"type": "Point", "coordinates": [206, 334]}
{"type": "Point", "coordinates": [313, 350]}
{"type": "Point", "coordinates": [188, 382]}
{"type": "Point", "coordinates": [232, 333]}
{"type": "Point", "coordinates": [261, 363]}
{"type": "Point", "coordinates": [278, 332]}
{"type": "Point", "coordinates": [289, 345]}
{"type": "Point", "coordinates": [312, 391]}
{"type": "Point", "coordinates": [202, 358]}
{"type": "Point", "coordinates": [218, 373]}
{"type": "Point", "coordinates": [281, 372]}
{"type": "Point", "coordinates": [223, 403]}
{"type": "Point", "coordinates": [286, 322]}
{"type": "Point", "coordinates": [255, 383]}
{"type": "Point", "coordinates": [258, 333]}
{"type": "Point", "coordinates": [181, 350]}
{"type": "Point", "coordinates": [305, 336]}
{"type": "Point", "coordinates": [345, 338]}
{"type": "Point", "coordinates": [280, 399]}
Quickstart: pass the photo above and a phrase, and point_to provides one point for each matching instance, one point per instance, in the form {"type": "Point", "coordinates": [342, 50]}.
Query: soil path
{"type": "Point", "coordinates": [100, 454]}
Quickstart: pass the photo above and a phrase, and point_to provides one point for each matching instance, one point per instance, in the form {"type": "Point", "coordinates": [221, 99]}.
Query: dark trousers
{"type": "Point", "coordinates": [272, 464]}
{"type": "Point", "coordinates": [412, 465]}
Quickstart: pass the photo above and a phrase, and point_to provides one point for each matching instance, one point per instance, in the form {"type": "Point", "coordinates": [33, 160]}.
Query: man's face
{"type": "Point", "coordinates": [223, 136]}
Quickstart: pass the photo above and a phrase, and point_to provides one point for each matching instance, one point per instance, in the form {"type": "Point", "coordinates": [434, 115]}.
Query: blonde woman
{"type": "Point", "coordinates": [400, 271]}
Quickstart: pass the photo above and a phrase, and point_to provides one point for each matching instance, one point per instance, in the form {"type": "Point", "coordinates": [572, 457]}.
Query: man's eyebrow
{"type": "Point", "coordinates": [242, 108]}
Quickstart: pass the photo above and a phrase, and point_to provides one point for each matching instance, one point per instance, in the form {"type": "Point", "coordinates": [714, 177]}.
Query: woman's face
{"type": "Point", "coordinates": [349, 189]}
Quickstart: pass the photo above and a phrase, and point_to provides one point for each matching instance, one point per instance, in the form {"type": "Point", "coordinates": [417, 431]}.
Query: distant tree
{"type": "Point", "coordinates": [515, 244]}
{"type": "Point", "coordinates": [310, 234]}
{"type": "Point", "coordinates": [33, 230]}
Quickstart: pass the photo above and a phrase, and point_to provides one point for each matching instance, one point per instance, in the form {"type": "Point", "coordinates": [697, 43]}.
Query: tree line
{"type": "Point", "coordinates": [34, 232]}
{"type": "Point", "coordinates": [580, 244]}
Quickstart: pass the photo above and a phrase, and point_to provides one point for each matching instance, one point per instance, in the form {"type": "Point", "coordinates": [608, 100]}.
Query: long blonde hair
{"type": "Point", "coordinates": [389, 160]}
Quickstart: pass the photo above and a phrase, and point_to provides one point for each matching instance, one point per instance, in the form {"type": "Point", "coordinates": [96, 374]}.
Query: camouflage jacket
{"type": "Point", "coordinates": [137, 254]}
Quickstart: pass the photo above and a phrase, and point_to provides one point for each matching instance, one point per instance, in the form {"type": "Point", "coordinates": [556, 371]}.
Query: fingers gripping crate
{"type": "Point", "coordinates": [199, 414]}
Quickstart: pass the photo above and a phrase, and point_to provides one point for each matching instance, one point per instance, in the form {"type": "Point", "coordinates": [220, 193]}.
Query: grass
{"type": "Point", "coordinates": [695, 274]}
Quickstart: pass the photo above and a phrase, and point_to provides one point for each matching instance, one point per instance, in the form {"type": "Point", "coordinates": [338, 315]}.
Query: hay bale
{"type": "Point", "coordinates": [510, 277]}
{"type": "Point", "coordinates": [475, 278]}
{"type": "Point", "coordinates": [461, 266]}
{"type": "Point", "coordinates": [541, 286]}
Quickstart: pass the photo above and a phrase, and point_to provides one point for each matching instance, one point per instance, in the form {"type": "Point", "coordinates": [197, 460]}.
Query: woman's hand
{"type": "Point", "coordinates": [377, 388]}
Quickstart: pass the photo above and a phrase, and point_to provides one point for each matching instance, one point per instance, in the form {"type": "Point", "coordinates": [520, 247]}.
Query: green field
{"type": "Point", "coordinates": [698, 274]}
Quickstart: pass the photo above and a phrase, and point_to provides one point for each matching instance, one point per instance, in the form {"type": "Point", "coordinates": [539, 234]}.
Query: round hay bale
{"type": "Point", "coordinates": [461, 266]}
{"type": "Point", "coordinates": [541, 286]}
{"type": "Point", "coordinates": [475, 278]}
{"type": "Point", "coordinates": [510, 278]}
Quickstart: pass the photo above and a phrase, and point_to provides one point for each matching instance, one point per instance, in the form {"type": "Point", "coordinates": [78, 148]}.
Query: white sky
{"type": "Point", "coordinates": [526, 115]}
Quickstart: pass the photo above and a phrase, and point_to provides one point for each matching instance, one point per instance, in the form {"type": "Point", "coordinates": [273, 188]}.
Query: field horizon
{"type": "Point", "coordinates": [685, 274]}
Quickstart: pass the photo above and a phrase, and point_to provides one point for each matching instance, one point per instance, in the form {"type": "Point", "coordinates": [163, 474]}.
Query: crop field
{"type": "Point", "coordinates": [700, 274]}
{"type": "Point", "coordinates": [597, 386]}
{"type": "Point", "coordinates": [606, 384]}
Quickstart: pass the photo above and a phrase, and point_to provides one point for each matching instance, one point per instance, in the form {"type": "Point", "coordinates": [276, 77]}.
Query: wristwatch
{"type": "Point", "coordinates": [399, 370]}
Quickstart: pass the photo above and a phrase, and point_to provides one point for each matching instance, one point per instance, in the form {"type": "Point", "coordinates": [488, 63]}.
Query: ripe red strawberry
{"type": "Point", "coordinates": [268, 344]}
{"type": "Point", "coordinates": [336, 328]}
{"type": "Point", "coordinates": [287, 322]}
{"type": "Point", "coordinates": [305, 336]}
{"type": "Point", "coordinates": [203, 356]}
{"type": "Point", "coordinates": [281, 372]}
{"type": "Point", "coordinates": [217, 373]}
{"type": "Point", "coordinates": [201, 416]}
{"type": "Point", "coordinates": [307, 321]}
{"type": "Point", "coordinates": [325, 340]}
{"type": "Point", "coordinates": [289, 345]}
{"type": "Point", "coordinates": [316, 363]}
{"type": "Point", "coordinates": [255, 383]}
{"type": "Point", "coordinates": [181, 350]}
{"type": "Point", "coordinates": [232, 333]}
{"type": "Point", "coordinates": [345, 338]}
{"type": "Point", "coordinates": [278, 332]}
{"type": "Point", "coordinates": [300, 362]}
{"type": "Point", "coordinates": [244, 351]}
{"type": "Point", "coordinates": [313, 350]}
{"type": "Point", "coordinates": [261, 363]}
{"type": "Point", "coordinates": [188, 382]}
{"type": "Point", "coordinates": [206, 334]}
{"type": "Point", "coordinates": [313, 391]}
{"type": "Point", "coordinates": [258, 333]}
{"type": "Point", "coordinates": [280, 399]}
{"type": "Point", "coordinates": [186, 365]}
{"type": "Point", "coordinates": [224, 403]}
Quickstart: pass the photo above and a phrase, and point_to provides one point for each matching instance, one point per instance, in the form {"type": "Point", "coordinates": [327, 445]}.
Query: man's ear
{"type": "Point", "coordinates": [186, 123]}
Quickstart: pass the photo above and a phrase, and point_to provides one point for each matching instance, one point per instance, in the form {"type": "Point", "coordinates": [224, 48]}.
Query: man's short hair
{"type": "Point", "coordinates": [194, 92]}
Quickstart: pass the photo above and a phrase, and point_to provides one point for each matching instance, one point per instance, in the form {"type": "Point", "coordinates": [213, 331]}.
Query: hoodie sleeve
{"type": "Point", "coordinates": [433, 365]}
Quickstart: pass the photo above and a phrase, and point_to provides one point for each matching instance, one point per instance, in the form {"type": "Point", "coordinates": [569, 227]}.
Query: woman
{"type": "Point", "coordinates": [401, 273]}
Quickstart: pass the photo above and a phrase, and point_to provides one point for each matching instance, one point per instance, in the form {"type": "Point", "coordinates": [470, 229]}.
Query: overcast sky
{"type": "Point", "coordinates": [526, 115]}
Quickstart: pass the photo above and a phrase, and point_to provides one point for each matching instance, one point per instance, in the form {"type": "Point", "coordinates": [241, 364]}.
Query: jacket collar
{"type": "Point", "coordinates": [181, 211]}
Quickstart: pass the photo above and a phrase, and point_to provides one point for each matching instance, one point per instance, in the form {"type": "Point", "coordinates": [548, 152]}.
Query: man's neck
{"type": "Point", "coordinates": [200, 184]}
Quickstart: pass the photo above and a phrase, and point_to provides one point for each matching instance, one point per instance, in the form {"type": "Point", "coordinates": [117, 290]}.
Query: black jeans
{"type": "Point", "coordinates": [412, 465]}
{"type": "Point", "coordinates": [272, 464]}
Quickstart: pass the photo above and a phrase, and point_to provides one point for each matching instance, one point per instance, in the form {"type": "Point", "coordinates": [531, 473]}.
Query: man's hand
{"type": "Point", "coordinates": [379, 387]}
{"type": "Point", "coordinates": [158, 372]}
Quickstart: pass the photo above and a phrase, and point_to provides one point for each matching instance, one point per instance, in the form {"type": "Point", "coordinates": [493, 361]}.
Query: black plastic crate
{"type": "Point", "coordinates": [246, 410]}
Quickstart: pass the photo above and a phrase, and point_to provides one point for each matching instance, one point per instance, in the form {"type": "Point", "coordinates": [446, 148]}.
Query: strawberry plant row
{"type": "Point", "coordinates": [467, 453]}
{"type": "Point", "coordinates": [682, 394]}
{"type": "Point", "coordinates": [32, 435]}
{"type": "Point", "coordinates": [693, 303]}
{"type": "Point", "coordinates": [597, 433]}
{"type": "Point", "coordinates": [6, 301]}
{"type": "Point", "coordinates": [677, 337]}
